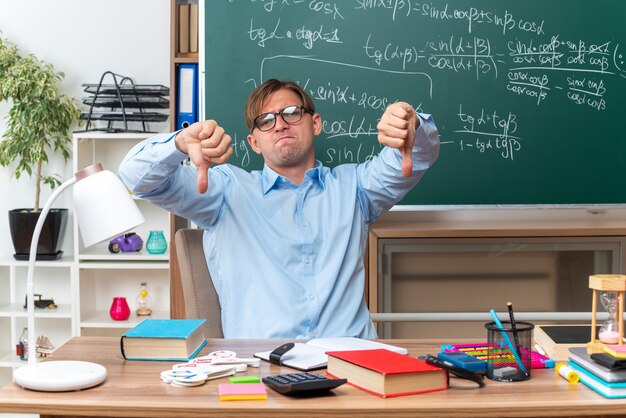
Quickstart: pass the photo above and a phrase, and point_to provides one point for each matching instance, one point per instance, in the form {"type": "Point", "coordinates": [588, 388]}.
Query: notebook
{"type": "Point", "coordinates": [312, 354]}
{"type": "Point", "coordinates": [580, 356]}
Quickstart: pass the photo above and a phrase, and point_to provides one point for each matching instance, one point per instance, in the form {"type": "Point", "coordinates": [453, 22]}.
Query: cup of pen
{"type": "Point", "coordinates": [509, 353]}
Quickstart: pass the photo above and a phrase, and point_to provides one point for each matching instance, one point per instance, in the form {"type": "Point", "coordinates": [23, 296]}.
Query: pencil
{"type": "Point", "coordinates": [509, 305]}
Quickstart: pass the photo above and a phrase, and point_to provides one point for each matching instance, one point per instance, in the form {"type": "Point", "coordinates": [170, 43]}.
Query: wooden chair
{"type": "Point", "coordinates": [201, 300]}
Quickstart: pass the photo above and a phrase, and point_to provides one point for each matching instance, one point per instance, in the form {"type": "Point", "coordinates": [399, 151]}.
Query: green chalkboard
{"type": "Point", "coordinates": [529, 96]}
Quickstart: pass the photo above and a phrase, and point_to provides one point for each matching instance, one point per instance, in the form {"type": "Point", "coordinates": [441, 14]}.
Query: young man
{"type": "Point", "coordinates": [284, 245]}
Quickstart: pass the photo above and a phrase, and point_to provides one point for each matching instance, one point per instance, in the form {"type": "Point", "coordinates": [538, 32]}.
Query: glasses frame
{"type": "Point", "coordinates": [282, 115]}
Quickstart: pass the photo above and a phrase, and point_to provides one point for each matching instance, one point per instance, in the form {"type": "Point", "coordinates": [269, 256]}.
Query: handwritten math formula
{"type": "Point", "coordinates": [506, 84]}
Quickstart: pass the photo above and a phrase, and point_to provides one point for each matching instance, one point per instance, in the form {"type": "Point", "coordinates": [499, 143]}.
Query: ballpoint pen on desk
{"type": "Point", "coordinates": [508, 341]}
{"type": "Point", "coordinates": [514, 328]}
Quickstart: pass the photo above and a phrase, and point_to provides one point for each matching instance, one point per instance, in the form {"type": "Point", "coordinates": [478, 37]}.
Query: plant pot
{"type": "Point", "coordinates": [22, 225]}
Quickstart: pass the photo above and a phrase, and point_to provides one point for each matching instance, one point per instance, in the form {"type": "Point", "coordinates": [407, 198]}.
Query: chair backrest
{"type": "Point", "coordinates": [201, 300]}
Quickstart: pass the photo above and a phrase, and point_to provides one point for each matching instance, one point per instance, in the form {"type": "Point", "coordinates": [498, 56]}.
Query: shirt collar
{"type": "Point", "coordinates": [272, 178]}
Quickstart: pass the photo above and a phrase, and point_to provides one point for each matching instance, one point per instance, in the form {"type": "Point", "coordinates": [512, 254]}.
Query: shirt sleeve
{"type": "Point", "coordinates": [380, 181]}
{"type": "Point", "coordinates": [157, 171]}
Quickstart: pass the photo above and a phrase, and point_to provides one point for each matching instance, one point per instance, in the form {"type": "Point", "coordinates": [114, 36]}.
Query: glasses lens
{"type": "Point", "coordinates": [265, 122]}
{"type": "Point", "coordinates": [292, 114]}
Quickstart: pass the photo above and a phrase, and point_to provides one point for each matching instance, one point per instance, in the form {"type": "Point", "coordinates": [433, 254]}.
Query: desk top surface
{"type": "Point", "coordinates": [133, 389]}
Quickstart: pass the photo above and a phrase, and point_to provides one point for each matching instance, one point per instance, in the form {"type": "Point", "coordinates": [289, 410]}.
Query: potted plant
{"type": "Point", "coordinates": [38, 123]}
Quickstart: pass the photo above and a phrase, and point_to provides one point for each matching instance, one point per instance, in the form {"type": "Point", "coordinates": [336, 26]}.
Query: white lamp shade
{"type": "Point", "coordinates": [104, 208]}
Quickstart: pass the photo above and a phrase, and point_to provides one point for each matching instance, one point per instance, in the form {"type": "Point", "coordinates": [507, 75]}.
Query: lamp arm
{"type": "Point", "coordinates": [30, 289]}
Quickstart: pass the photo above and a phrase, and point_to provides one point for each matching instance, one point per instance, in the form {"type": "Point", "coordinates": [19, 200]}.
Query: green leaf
{"type": "Point", "coordinates": [39, 117]}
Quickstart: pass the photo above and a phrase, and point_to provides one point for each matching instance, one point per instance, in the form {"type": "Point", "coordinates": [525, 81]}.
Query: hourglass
{"type": "Point", "coordinates": [609, 331]}
{"type": "Point", "coordinates": [611, 288]}
{"type": "Point", "coordinates": [144, 301]}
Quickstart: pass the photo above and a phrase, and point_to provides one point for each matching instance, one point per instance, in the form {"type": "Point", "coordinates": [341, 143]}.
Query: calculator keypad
{"type": "Point", "coordinates": [302, 383]}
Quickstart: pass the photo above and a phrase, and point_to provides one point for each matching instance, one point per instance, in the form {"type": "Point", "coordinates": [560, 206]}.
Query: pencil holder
{"type": "Point", "coordinates": [509, 353]}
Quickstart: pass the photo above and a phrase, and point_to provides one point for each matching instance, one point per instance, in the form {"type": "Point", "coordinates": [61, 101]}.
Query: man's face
{"type": "Point", "coordinates": [286, 145]}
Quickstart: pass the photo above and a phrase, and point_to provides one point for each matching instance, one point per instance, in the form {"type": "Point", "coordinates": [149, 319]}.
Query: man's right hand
{"type": "Point", "coordinates": [206, 143]}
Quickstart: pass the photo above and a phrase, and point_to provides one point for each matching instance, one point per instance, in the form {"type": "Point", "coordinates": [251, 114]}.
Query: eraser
{"type": "Point", "coordinates": [505, 372]}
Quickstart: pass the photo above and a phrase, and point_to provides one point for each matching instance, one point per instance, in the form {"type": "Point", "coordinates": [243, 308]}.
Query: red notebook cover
{"type": "Point", "coordinates": [387, 362]}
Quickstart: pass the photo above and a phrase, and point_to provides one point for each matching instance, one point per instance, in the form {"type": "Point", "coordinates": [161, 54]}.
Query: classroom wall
{"type": "Point", "coordinates": [83, 39]}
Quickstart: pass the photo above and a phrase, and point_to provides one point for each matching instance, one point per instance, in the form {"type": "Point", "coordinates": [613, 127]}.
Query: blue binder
{"type": "Point", "coordinates": [187, 103]}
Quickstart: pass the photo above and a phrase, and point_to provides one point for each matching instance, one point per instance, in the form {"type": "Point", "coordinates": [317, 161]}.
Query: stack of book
{"type": "Point", "coordinates": [187, 26]}
{"type": "Point", "coordinates": [608, 378]}
{"type": "Point", "coordinates": [164, 339]}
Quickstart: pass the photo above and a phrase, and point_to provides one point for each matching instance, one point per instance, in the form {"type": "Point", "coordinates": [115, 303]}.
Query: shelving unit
{"type": "Point", "coordinates": [103, 275]}
{"type": "Point", "coordinates": [543, 267]}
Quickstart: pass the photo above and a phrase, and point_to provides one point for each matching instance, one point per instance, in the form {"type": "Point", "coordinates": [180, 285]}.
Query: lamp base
{"type": "Point", "coordinates": [59, 376]}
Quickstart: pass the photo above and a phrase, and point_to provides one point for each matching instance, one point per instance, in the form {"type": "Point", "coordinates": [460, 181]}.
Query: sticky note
{"type": "Point", "coordinates": [245, 379]}
{"type": "Point", "coordinates": [241, 391]}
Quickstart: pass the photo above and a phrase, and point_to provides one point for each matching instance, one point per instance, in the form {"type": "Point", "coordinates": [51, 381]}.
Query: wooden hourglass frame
{"type": "Point", "coordinates": [607, 283]}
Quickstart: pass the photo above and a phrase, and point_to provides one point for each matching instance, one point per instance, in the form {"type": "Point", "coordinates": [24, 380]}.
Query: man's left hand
{"type": "Point", "coordinates": [396, 129]}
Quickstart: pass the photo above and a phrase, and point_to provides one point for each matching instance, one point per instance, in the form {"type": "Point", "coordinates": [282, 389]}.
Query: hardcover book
{"type": "Point", "coordinates": [555, 340]}
{"type": "Point", "coordinates": [164, 339]}
{"type": "Point", "coordinates": [385, 373]}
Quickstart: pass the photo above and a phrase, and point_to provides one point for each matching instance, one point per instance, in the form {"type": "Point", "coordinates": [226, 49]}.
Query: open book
{"type": "Point", "coordinates": [312, 354]}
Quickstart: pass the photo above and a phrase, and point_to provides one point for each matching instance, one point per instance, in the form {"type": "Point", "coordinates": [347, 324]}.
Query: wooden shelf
{"type": "Point", "coordinates": [186, 58]}
{"type": "Point", "coordinates": [102, 319]}
{"type": "Point", "coordinates": [17, 310]}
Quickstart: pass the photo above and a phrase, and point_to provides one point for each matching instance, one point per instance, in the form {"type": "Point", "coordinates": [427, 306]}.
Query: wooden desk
{"type": "Point", "coordinates": [133, 389]}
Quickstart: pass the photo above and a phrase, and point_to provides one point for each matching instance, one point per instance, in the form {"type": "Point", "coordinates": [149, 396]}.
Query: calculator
{"type": "Point", "coordinates": [295, 384]}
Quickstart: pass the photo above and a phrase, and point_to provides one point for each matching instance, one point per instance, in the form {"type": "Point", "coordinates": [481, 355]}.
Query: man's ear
{"type": "Point", "coordinates": [317, 124]}
{"type": "Point", "coordinates": [253, 144]}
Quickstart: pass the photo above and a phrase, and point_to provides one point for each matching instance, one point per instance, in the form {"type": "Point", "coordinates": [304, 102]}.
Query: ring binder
{"type": "Point", "coordinates": [187, 111]}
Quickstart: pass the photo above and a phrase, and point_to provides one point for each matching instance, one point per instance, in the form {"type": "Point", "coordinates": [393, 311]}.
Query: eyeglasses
{"type": "Point", "coordinates": [290, 114]}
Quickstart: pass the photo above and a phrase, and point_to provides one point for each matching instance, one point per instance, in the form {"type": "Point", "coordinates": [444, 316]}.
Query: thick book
{"type": "Point", "coordinates": [183, 28]}
{"type": "Point", "coordinates": [580, 356]}
{"type": "Point", "coordinates": [604, 388]}
{"type": "Point", "coordinates": [193, 27]}
{"type": "Point", "coordinates": [385, 373]}
{"type": "Point", "coordinates": [556, 340]}
{"type": "Point", "coordinates": [312, 354]}
{"type": "Point", "coordinates": [164, 339]}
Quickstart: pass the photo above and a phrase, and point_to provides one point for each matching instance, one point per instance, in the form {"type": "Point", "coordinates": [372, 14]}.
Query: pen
{"type": "Point", "coordinates": [508, 341]}
{"type": "Point", "coordinates": [509, 305]}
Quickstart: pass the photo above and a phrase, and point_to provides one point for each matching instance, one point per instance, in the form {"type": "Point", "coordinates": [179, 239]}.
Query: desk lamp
{"type": "Point", "coordinates": [104, 209]}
